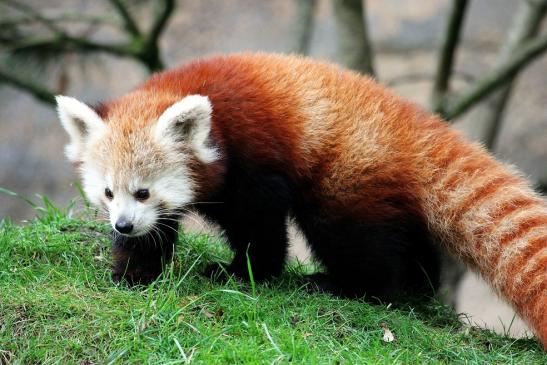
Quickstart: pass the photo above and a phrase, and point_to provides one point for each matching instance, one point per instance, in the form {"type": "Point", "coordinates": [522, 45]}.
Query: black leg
{"type": "Point", "coordinates": [253, 217]}
{"type": "Point", "coordinates": [261, 242]}
{"type": "Point", "coordinates": [140, 260]}
{"type": "Point", "coordinates": [382, 261]}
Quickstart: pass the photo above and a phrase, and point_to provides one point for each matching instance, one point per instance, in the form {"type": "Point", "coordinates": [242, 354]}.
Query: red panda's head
{"type": "Point", "coordinates": [139, 170]}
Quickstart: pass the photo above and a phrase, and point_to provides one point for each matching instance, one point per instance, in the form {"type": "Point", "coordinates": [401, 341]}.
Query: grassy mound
{"type": "Point", "coordinates": [59, 305]}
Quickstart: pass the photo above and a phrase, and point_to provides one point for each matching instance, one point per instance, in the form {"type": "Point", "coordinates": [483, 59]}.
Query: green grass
{"type": "Point", "coordinates": [59, 305]}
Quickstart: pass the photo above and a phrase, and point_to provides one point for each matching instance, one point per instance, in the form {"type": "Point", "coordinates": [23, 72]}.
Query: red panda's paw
{"type": "Point", "coordinates": [216, 272]}
{"type": "Point", "coordinates": [322, 283]}
{"type": "Point", "coordinates": [221, 273]}
{"type": "Point", "coordinates": [135, 277]}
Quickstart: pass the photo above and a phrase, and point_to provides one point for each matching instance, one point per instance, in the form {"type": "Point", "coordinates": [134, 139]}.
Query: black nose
{"type": "Point", "coordinates": [123, 226]}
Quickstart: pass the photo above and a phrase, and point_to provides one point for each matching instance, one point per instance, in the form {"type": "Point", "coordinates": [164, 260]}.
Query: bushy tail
{"type": "Point", "coordinates": [489, 216]}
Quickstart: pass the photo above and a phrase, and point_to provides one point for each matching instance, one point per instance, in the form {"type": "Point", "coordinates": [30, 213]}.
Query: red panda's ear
{"type": "Point", "coordinates": [188, 120]}
{"type": "Point", "coordinates": [80, 121]}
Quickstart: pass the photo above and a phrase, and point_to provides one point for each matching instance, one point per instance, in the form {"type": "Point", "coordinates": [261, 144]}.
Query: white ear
{"type": "Point", "coordinates": [188, 120]}
{"type": "Point", "coordinates": [80, 121]}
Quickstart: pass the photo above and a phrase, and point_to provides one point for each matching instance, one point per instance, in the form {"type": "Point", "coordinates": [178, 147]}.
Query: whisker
{"type": "Point", "coordinates": [165, 225]}
{"type": "Point", "coordinates": [193, 203]}
{"type": "Point", "coordinates": [152, 236]}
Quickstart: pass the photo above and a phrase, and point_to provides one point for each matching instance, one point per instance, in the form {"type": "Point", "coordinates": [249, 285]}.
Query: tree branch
{"type": "Point", "coordinates": [353, 41]}
{"type": "Point", "coordinates": [498, 77]}
{"type": "Point", "coordinates": [142, 48]}
{"type": "Point", "coordinates": [425, 76]}
{"type": "Point", "coordinates": [77, 18]}
{"type": "Point", "coordinates": [525, 26]}
{"type": "Point", "coordinates": [40, 92]}
{"type": "Point", "coordinates": [31, 13]}
{"type": "Point", "coordinates": [161, 19]}
{"type": "Point", "coordinates": [542, 188]}
{"type": "Point", "coordinates": [62, 41]}
{"type": "Point", "coordinates": [66, 43]}
{"type": "Point", "coordinates": [303, 26]}
{"type": "Point", "coordinates": [148, 49]}
{"type": "Point", "coordinates": [446, 56]}
{"type": "Point", "coordinates": [128, 21]}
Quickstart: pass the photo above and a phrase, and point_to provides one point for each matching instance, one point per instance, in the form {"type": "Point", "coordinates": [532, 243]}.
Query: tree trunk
{"type": "Point", "coordinates": [353, 42]}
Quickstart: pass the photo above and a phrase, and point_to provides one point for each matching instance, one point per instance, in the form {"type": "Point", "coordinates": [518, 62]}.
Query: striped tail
{"type": "Point", "coordinates": [489, 216]}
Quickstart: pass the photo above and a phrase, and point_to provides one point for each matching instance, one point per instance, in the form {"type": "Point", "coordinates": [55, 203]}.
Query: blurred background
{"type": "Point", "coordinates": [479, 63]}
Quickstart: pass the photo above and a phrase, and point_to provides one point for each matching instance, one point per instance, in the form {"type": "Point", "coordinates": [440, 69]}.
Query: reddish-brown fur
{"type": "Point", "coordinates": [354, 146]}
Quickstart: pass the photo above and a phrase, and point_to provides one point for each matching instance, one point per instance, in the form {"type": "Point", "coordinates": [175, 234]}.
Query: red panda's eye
{"type": "Point", "coordinates": [142, 194]}
{"type": "Point", "coordinates": [108, 193]}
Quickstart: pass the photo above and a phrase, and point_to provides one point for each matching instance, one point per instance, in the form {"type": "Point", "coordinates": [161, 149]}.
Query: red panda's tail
{"type": "Point", "coordinates": [489, 216]}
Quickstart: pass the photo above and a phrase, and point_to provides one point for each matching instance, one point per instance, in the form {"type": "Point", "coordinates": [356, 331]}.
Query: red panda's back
{"type": "Point", "coordinates": [353, 138]}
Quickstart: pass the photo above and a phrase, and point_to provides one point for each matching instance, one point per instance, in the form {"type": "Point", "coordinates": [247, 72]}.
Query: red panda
{"type": "Point", "coordinates": [375, 183]}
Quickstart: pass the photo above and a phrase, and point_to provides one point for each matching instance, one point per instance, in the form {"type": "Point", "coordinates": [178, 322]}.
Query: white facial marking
{"type": "Point", "coordinates": [80, 122]}
{"type": "Point", "coordinates": [141, 215]}
{"type": "Point", "coordinates": [168, 191]}
{"type": "Point", "coordinates": [94, 184]}
{"type": "Point", "coordinates": [175, 188]}
{"type": "Point", "coordinates": [167, 178]}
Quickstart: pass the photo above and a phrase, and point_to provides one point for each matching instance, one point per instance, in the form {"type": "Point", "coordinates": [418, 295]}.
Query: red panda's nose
{"type": "Point", "coordinates": [123, 226]}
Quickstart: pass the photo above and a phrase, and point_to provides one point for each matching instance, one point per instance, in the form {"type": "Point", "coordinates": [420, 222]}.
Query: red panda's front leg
{"type": "Point", "coordinates": [253, 216]}
{"type": "Point", "coordinates": [262, 245]}
{"type": "Point", "coordinates": [140, 260]}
